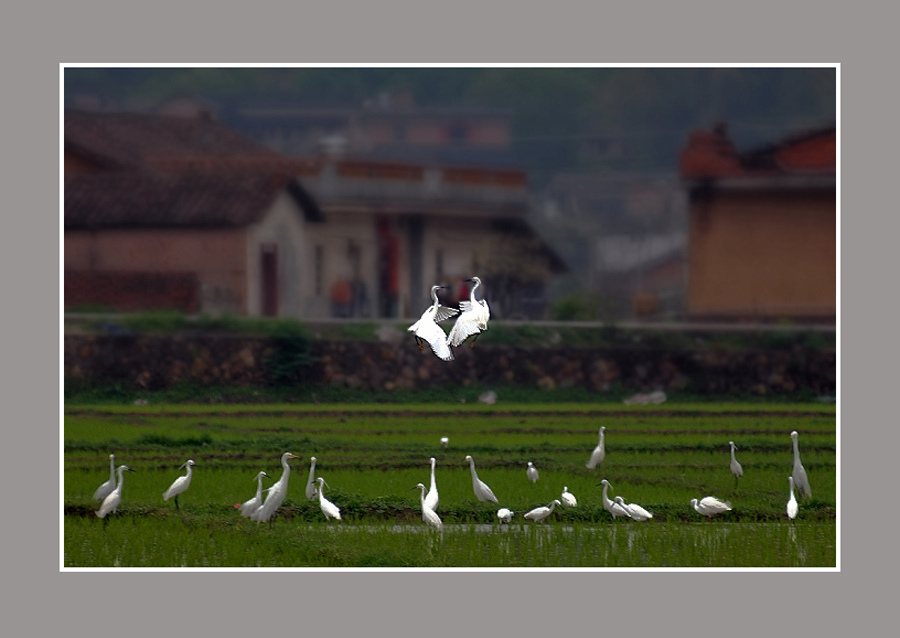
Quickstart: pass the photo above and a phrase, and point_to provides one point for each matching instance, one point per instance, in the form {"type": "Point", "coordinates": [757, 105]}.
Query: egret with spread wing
{"type": "Point", "coordinates": [473, 318]}
{"type": "Point", "coordinates": [427, 328]}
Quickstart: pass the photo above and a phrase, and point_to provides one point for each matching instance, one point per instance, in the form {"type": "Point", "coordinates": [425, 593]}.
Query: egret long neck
{"type": "Point", "coordinates": [732, 452]}
{"type": "Point", "coordinates": [472, 292]}
{"type": "Point", "coordinates": [434, 295]}
{"type": "Point", "coordinates": [120, 473]}
{"type": "Point", "coordinates": [112, 467]}
{"type": "Point", "coordinates": [432, 474]}
{"type": "Point", "coordinates": [606, 500]}
{"type": "Point", "coordinates": [796, 451]}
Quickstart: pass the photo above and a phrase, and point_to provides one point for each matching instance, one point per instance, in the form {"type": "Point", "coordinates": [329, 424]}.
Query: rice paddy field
{"type": "Point", "coordinates": [373, 455]}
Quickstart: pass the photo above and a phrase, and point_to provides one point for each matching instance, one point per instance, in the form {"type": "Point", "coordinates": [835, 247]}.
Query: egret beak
{"type": "Point", "coordinates": [130, 470]}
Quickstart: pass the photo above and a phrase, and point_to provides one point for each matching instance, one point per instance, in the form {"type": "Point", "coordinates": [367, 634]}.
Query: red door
{"type": "Point", "coordinates": [269, 268]}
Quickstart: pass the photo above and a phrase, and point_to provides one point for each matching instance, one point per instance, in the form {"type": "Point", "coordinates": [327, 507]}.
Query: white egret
{"type": "Point", "coordinates": [736, 468]}
{"type": "Point", "coordinates": [710, 506]}
{"type": "Point", "coordinates": [445, 441]}
{"type": "Point", "coordinates": [598, 454]}
{"type": "Point", "coordinates": [111, 501]}
{"type": "Point", "coordinates": [613, 508]}
{"type": "Point", "coordinates": [311, 481]}
{"type": "Point", "coordinates": [635, 511]}
{"type": "Point", "coordinates": [427, 328]}
{"type": "Point", "coordinates": [540, 513]}
{"type": "Point", "coordinates": [431, 499]}
{"type": "Point", "coordinates": [108, 486]}
{"type": "Point", "coordinates": [276, 493]}
{"type": "Point", "coordinates": [801, 482]}
{"type": "Point", "coordinates": [792, 502]}
{"type": "Point", "coordinates": [181, 483]}
{"type": "Point", "coordinates": [505, 515]}
{"type": "Point", "coordinates": [568, 498]}
{"type": "Point", "coordinates": [329, 509]}
{"type": "Point", "coordinates": [428, 514]}
{"type": "Point", "coordinates": [248, 507]}
{"type": "Point", "coordinates": [482, 491]}
{"type": "Point", "coordinates": [531, 472]}
{"type": "Point", "coordinates": [473, 318]}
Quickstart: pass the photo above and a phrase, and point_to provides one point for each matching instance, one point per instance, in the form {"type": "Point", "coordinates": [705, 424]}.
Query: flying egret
{"type": "Point", "coordinates": [801, 482]}
{"type": "Point", "coordinates": [613, 508]}
{"type": "Point", "coordinates": [428, 514]}
{"type": "Point", "coordinates": [181, 483]}
{"type": "Point", "coordinates": [445, 441]}
{"type": "Point", "coordinates": [540, 513]}
{"type": "Point", "coordinates": [473, 318]}
{"type": "Point", "coordinates": [482, 491]}
{"type": "Point", "coordinates": [276, 493]}
{"type": "Point", "coordinates": [311, 481]}
{"type": "Point", "coordinates": [531, 472]}
{"type": "Point", "coordinates": [567, 497]}
{"type": "Point", "coordinates": [635, 511]}
{"type": "Point", "coordinates": [248, 507]}
{"type": "Point", "coordinates": [329, 509]}
{"type": "Point", "coordinates": [431, 499]}
{"type": "Point", "coordinates": [111, 501]}
{"type": "Point", "coordinates": [427, 328]}
{"type": "Point", "coordinates": [105, 488]}
{"type": "Point", "coordinates": [736, 468]}
{"type": "Point", "coordinates": [710, 506]}
{"type": "Point", "coordinates": [598, 454]}
{"type": "Point", "coordinates": [792, 502]}
{"type": "Point", "coordinates": [505, 515]}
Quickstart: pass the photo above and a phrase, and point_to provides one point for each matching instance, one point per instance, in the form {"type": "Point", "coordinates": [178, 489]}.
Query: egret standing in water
{"type": "Point", "coordinates": [111, 501]}
{"type": "Point", "coordinates": [482, 491]}
{"type": "Point", "coordinates": [540, 513]}
{"type": "Point", "coordinates": [792, 508]}
{"type": "Point", "coordinates": [107, 487]}
{"type": "Point", "coordinates": [431, 499]}
{"type": "Point", "coordinates": [799, 474]}
{"type": "Point", "coordinates": [311, 481]}
{"type": "Point", "coordinates": [613, 508]}
{"type": "Point", "coordinates": [634, 511]}
{"type": "Point", "coordinates": [736, 468]}
{"type": "Point", "coordinates": [427, 328]}
{"type": "Point", "coordinates": [428, 514]}
{"type": "Point", "coordinates": [277, 492]}
{"type": "Point", "coordinates": [710, 506]}
{"type": "Point", "coordinates": [181, 483]}
{"type": "Point", "coordinates": [473, 318]}
{"type": "Point", "coordinates": [248, 507]}
{"type": "Point", "coordinates": [531, 472]}
{"type": "Point", "coordinates": [568, 498]}
{"type": "Point", "coordinates": [329, 509]}
{"type": "Point", "coordinates": [598, 454]}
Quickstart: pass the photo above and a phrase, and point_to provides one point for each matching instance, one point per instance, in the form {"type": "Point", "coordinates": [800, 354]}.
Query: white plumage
{"type": "Point", "coordinates": [445, 441]}
{"type": "Point", "coordinates": [249, 506]}
{"type": "Point", "coordinates": [431, 499]}
{"type": "Point", "coordinates": [634, 511]}
{"type": "Point", "coordinates": [276, 493]}
{"type": "Point", "coordinates": [792, 507]}
{"type": "Point", "coordinates": [531, 472]}
{"type": "Point", "coordinates": [710, 506]}
{"type": "Point", "coordinates": [801, 482]}
{"type": "Point", "coordinates": [181, 483]}
{"type": "Point", "coordinates": [108, 486]}
{"type": "Point", "coordinates": [736, 468]}
{"type": "Point", "coordinates": [505, 515]}
{"type": "Point", "coordinates": [311, 481]}
{"type": "Point", "coordinates": [540, 513]}
{"type": "Point", "coordinates": [598, 454]}
{"type": "Point", "coordinates": [111, 501]}
{"type": "Point", "coordinates": [329, 509]}
{"type": "Point", "coordinates": [473, 318]}
{"type": "Point", "coordinates": [482, 491]}
{"type": "Point", "coordinates": [427, 328]}
{"type": "Point", "coordinates": [613, 508]}
{"type": "Point", "coordinates": [568, 498]}
{"type": "Point", "coordinates": [428, 514]}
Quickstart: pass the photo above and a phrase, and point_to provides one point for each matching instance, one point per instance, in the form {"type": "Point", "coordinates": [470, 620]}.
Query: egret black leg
{"type": "Point", "coordinates": [176, 501]}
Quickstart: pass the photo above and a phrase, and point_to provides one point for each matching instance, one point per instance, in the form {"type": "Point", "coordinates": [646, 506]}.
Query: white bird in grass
{"type": "Point", "coordinates": [540, 513]}
{"type": "Point", "coordinates": [473, 318]}
{"type": "Point", "coordinates": [792, 507]}
{"type": "Point", "coordinates": [427, 328]}
{"type": "Point", "coordinates": [311, 481]}
{"type": "Point", "coordinates": [531, 472]}
{"type": "Point", "coordinates": [613, 508]}
{"type": "Point", "coordinates": [598, 454]}
{"type": "Point", "coordinates": [801, 482]}
{"type": "Point", "coordinates": [635, 511]}
{"type": "Point", "coordinates": [248, 507]}
{"type": "Point", "coordinates": [445, 441]}
{"type": "Point", "coordinates": [736, 468]}
{"type": "Point", "coordinates": [482, 491]}
{"type": "Point", "coordinates": [710, 506]}
{"type": "Point", "coordinates": [181, 483]}
{"type": "Point", "coordinates": [329, 509]}
{"type": "Point", "coordinates": [431, 499]}
{"type": "Point", "coordinates": [111, 501]}
{"type": "Point", "coordinates": [568, 498]}
{"type": "Point", "coordinates": [428, 514]}
{"type": "Point", "coordinates": [107, 487]}
{"type": "Point", "coordinates": [276, 493]}
{"type": "Point", "coordinates": [505, 515]}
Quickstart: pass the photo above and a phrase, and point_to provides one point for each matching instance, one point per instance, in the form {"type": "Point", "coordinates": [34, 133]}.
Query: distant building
{"type": "Point", "coordinates": [762, 228]}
